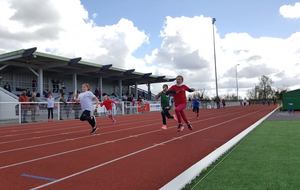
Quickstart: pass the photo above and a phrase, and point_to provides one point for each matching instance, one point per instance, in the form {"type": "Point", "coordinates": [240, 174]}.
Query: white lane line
{"type": "Point", "coordinates": [86, 147]}
{"type": "Point", "coordinates": [66, 128]}
{"type": "Point", "coordinates": [58, 134]}
{"type": "Point", "coordinates": [37, 126]}
{"type": "Point", "coordinates": [89, 136]}
{"type": "Point", "coordinates": [77, 138]}
{"type": "Point", "coordinates": [137, 152]}
{"type": "Point", "coordinates": [74, 150]}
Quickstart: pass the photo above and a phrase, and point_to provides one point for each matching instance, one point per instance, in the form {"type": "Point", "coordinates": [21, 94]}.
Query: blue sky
{"type": "Point", "coordinates": [259, 36]}
{"type": "Point", "coordinates": [257, 18]}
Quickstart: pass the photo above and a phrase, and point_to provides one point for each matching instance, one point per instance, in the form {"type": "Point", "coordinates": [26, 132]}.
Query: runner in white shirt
{"type": "Point", "coordinates": [86, 101]}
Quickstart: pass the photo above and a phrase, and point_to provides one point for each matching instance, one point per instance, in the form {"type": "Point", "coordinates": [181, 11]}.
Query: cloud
{"type": "Point", "coordinates": [231, 84]}
{"type": "Point", "coordinates": [190, 39]}
{"type": "Point", "coordinates": [253, 58]}
{"type": "Point", "coordinates": [290, 11]}
{"type": "Point", "coordinates": [65, 28]}
{"type": "Point", "coordinates": [255, 71]}
{"type": "Point", "coordinates": [287, 81]}
{"type": "Point", "coordinates": [31, 13]}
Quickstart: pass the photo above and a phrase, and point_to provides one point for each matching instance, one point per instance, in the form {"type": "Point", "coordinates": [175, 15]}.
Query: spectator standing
{"type": "Point", "coordinates": [7, 87]}
{"type": "Point", "coordinates": [24, 106]}
{"type": "Point", "coordinates": [62, 105]}
{"type": "Point", "coordinates": [50, 106]}
{"type": "Point", "coordinates": [33, 106]}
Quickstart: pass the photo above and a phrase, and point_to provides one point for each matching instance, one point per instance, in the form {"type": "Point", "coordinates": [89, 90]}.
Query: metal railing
{"type": "Point", "coordinates": [25, 112]}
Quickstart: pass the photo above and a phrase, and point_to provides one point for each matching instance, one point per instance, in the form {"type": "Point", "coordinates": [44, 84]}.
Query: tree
{"type": "Point", "coordinates": [264, 88]}
{"type": "Point", "coordinates": [230, 97]}
{"type": "Point", "coordinates": [279, 93]}
{"type": "Point", "coordinates": [251, 94]}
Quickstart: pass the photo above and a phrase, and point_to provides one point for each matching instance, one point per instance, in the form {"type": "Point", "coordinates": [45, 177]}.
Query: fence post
{"type": "Point", "coordinates": [123, 107]}
{"type": "Point", "coordinates": [20, 116]}
{"type": "Point", "coordinates": [58, 110]}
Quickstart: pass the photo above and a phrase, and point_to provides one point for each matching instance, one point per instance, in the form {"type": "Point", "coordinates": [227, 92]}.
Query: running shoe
{"type": "Point", "coordinates": [175, 117]}
{"type": "Point", "coordinates": [180, 127]}
{"type": "Point", "coordinates": [94, 129]}
{"type": "Point", "coordinates": [190, 126]}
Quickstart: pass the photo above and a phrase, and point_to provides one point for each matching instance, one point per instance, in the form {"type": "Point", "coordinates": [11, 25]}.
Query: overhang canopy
{"type": "Point", "coordinates": [68, 66]}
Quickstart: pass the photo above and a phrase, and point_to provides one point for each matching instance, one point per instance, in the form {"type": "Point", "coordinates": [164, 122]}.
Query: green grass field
{"type": "Point", "coordinates": [267, 159]}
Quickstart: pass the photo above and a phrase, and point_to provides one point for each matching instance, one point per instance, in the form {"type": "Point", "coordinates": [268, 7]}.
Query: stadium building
{"type": "Point", "coordinates": [27, 69]}
{"type": "Point", "coordinates": [40, 72]}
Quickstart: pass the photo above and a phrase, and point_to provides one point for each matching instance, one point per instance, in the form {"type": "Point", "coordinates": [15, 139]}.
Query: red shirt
{"type": "Point", "coordinates": [23, 98]}
{"type": "Point", "coordinates": [179, 97]}
{"type": "Point", "coordinates": [108, 104]}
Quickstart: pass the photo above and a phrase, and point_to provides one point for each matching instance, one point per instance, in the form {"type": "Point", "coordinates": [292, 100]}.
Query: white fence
{"type": "Point", "coordinates": [16, 112]}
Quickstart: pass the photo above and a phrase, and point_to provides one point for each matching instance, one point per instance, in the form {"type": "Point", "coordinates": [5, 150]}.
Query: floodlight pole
{"type": "Point", "coordinates": [215, 59]}
{"type": "Point", "coordinates": [237, 82]}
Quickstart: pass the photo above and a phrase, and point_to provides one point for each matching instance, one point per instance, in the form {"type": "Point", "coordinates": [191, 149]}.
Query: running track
{"type": "Point", "coordinates": [132, 154]}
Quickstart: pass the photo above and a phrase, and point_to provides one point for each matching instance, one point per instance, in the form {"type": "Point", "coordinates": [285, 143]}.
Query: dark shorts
{"type": "Point", "coordinates": [86, 114]}
{"type": "Point", "coordinates": [196, 109]}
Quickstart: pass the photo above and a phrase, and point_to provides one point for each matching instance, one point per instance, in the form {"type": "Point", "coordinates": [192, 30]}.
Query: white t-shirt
{"type": "Point", "coordinates": [86, 100]}
{"type": "Point", "coordinates": [50, 102]}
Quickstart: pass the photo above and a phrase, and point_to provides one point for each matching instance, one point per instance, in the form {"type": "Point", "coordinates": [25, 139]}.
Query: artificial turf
{"type": "Point", "coordinates": [267, 159]}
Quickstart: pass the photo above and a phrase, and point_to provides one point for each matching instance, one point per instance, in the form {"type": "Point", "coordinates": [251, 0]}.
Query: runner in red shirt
{"type": "Point", "coordinates": [178, 92]}
{"type": "Point", "coordinates": [108, 104]}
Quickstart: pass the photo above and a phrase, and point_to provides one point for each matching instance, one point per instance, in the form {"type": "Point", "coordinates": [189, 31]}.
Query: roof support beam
{"type": "Point", "coordinates": [34, 72]}
{"type": "Point", "coordinates": [3, 67]}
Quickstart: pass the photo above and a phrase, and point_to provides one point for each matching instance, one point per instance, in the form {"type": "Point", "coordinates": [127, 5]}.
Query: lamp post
{"type": "Point", "coordinates": [216, 77]}
{"type": "Point", "coordinates": [237, 82]}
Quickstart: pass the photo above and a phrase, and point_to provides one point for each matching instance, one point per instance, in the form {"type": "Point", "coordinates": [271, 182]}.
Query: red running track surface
{"type": "Point", "coordinates": [134, 153]}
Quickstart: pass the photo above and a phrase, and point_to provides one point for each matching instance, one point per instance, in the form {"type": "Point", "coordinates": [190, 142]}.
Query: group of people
{"type": "Point", "coordinates": [178, 92]}
{"type": "Point", "coordinates": [86, 99]}
{"type": "Point", "coordinates": [25, 106]}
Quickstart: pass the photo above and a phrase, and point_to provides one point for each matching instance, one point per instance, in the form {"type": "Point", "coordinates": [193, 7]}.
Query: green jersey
{"type": "Point", "coordinates": [164, 100]}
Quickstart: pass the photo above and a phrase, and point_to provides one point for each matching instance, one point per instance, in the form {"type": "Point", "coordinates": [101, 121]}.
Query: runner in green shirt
{"type": "Point", "coordinates": [165, 106]}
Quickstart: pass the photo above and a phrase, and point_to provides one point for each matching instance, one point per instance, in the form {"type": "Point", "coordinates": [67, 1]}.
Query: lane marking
{"type": "Point", "coordinates": [78, 125]}
{"type": "Point", "coordinates": [37, 177]}
{"type": "Point", "coordinates": [138, 151]}
{"type": "Point", "coordinates": [88, 136]}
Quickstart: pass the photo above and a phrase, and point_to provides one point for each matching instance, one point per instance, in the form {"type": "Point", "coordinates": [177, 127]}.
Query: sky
{"type": "Point", "coordinates": [252, 38]}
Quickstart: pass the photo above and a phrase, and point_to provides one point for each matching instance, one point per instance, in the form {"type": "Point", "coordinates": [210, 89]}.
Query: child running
{"type": "Point", "coordinates": [86, 101]}
{"type": "Point", "coordinates": [178, 92]}
{"type": "Point", "coordinates": [196, 105]}
{"type": "Point", "coordinates": [165, 105]}
{"type": "Point", "coordinates": [108, 104]}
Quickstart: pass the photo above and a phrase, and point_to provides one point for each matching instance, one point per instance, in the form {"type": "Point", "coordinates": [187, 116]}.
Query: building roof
{"type": "Point", "coordinates": [295, 92]}
{"type": "Point", "coordinates": [68, 66]}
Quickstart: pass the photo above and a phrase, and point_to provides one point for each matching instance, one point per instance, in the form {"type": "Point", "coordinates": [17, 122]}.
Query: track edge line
{"type": "Point", "coordinates": [188, 175]}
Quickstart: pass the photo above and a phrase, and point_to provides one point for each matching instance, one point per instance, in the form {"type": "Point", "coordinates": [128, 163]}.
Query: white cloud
{"type": "Point", "coordinates": [290, 11]}
{"type": "Point", "coordinates": [184, 36]}
{"type": "Point", "coordinates": [65, 28]}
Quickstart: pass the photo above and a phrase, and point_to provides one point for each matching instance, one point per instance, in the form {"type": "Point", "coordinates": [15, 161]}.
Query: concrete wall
{"type": "Point", "coordinates": [7, 110]}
